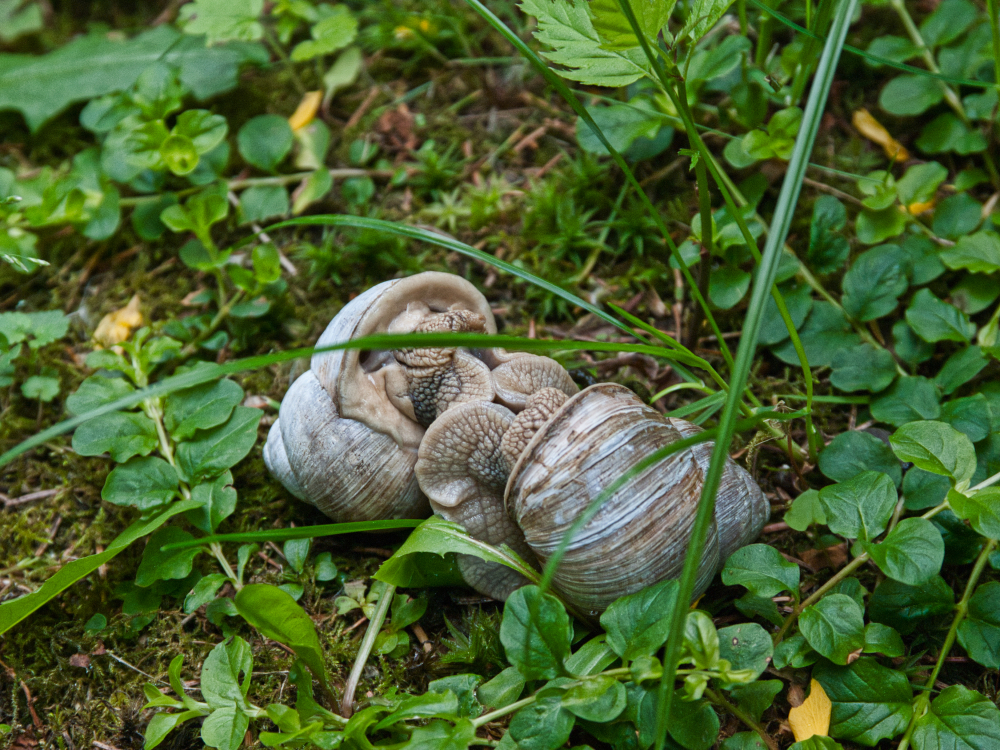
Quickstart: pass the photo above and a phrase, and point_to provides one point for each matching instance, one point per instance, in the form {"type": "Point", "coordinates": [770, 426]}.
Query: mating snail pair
{"type": "Point", "coordinates": [503, 443]}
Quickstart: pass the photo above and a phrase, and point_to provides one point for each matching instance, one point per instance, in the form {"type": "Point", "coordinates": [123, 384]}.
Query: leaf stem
{"type": "Point", "coordinates": [367, 643]}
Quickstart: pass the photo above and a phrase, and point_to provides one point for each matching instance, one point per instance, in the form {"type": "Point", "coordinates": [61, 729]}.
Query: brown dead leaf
{"type": "Point", "coordinates": [874, 131]}
{"type": "Point", "coordinates": [117, 326]}
{"type": "Point", "coordinates": [831, 557]}
{"type": "Point", "coordinates": [813, 716]}
{"type": "Point", "coordinates": [79, 660]}
{"type": "Point", "coordinates": [395, 126]}
{"type": "Point", "coordinates": [796, 694]}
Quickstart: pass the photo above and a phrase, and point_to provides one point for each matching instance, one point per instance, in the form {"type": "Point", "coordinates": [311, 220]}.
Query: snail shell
{"type": "Point", "coordinates": [639, 535]}
{"type": "Point", "coordinates": [340, 442]}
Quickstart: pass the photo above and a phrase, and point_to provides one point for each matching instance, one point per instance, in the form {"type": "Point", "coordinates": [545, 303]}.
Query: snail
{"type": "Point", "coordinates": [524, 479]}
{"type": "Point", "coordinates": [502, 443]}
{"type": "Point", "coordinates": [348, 429]}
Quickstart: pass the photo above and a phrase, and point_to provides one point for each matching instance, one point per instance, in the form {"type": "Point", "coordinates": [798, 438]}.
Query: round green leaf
{"type": "Point", "coordinates": [834, 626]}
{"type": "Point", "coordinates": [264, 141]}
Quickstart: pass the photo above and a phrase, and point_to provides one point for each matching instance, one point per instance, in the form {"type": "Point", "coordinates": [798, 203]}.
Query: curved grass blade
{"type": "Point", "coordinates": [379, 341]}
{"type": "Point", "coordinates": [781, 221]}
{"type": "Point", "coordinates": [299, 532]}
{"type": "Point", "coordinates": [14, 612]}
{"type": "Point", "coordinates": [416, 233]}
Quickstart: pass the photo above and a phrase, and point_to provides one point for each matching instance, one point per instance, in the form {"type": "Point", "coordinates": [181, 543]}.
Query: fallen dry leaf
{"type": "Point", "coordinates": [117, 326]}
{"type": "Point", "coordinates": [79, 660]}
{"type": "Point", "coordinates": [830, 557]}
{"type": "Point", "coordinates": [306, 111]}
{"type": "Point", "coordinates": [813, 716]}
{"type": "Point", "coordinates": [874, 131]}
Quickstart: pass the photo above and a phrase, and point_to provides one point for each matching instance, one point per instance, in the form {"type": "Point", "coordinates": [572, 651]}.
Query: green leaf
{"type": "Point", "coordinates": [756, 697]}
{"type": "Point", "coordinates": [746, 647]}
{"type": "Point", "coordinates": [959, 369]}
{"type": "Point", "coordinates": [98, 64]}
{"type": "Point", "coordinates": [223, 20]}
{"type": "Point", "coordinates": [40, 387]}
{"type": "Point", "coordinates": [881, 639]}
{"type": "Point", "coordinates": [827, 250]}
{"type": "Point", "coordinates": [970, 416]}
{"type": "Point", "coordinates": [979, 632]}
{"type": "Point", "coordinates": [334, 32]}
{"type": "Point", "coordinates": [312, 189]}
{"type": "Point", "coordinates": [925, 261]}
{"type": "Point", "coordinates": [909, 399]}
{"type": "Point", "coordinates": [157, 565]}
{"type": "Point", "coordinates": [217, 449]}
{"type": "Point", "coordinates": [13, 612]}
{"type": "Point", "coordinates": [959, 719]}
{"type": "Point", "coordinates": [895, 48]}
{"type": "Point", "coordinates": [143, 483]}
{"type": "Point", "coordinates": [834, 626]}
{"type": "Point", "coordinates": [903, 607]}
{"type": "Point", "coordinates": [693, 724]}
{"type": "Point", "coordinates": [225, 728]}
{"type": "Point", "coordinates": [912, 553]}
{"type": "Point", "coordinates": [265, 140]}
{"type": "Point", "coordinates": [870, 702]}
{"type": "Point", "coordinates": [600, 698]}
{"type": "Point", "coordinates": [95, 391]}
{"type": "Point", "coordinates": [937, 448]}
{"type": "Point", "coordinates": [262, 202]}
{"type": "Point", "coordinates": [502, 690]}
{"type": "Point", "coordinates": [920, 183]}
{"type": "Point", "coordinates": [876, 226]}
{"type": "Point", "coordinates": [440, 537]}
{"type": "Point", "coordinates": [200, 408]}
{"type": "Point", "coordinates": [948, 133]}
{"type": "Point", "coordinates": [535, 633]}
{"type": "Point", "coordinates": [441, 735]}
{"type": "Point", "coordinates": [638, 624]}
{"type": "Point", "coordinates": [859, 508]}
{"type": "Point", "coordinates": [798, 299]}
{"type": "Point", "coordinates": [178, 154]}
{"type": "Point", "coordinates": [566, 27]}
{"type": "Point", "coordinates": [862, 368]}
{"type": "Point", "coordinates": [974, 293]}
{"type": "Point", "coordinates": [794, 652]}
{"type": "Point", "coordinates": [957, 216]}
{"type": "Point", "coordinates": [623, 125]}
{"type": "Point", "coordinates": [948, 22]}
{"type": "Point", "coordinates": [122, 434]}
{"type": "Point", "coordinates": [825, 332]}
{"type": "Point", "coordinates": [435, 703]}
{"type": "Point", "coordinates": [202, 128]}
{"type": "Point", "coordinates": [342, 74]}
{"type": "Point", "coordinates": [218, 501]}
{"type": "Point", "coordinates": [910, 94]}
{"type": "Point", "coordinates": [543, 725]}
{"type": "Point", "coordinates": [853, 452]}
{"type": "Point", "coordinates": [615, 29]}
{"type": "Point", "coordinates": [934, 320]}
{"type": "Point", "coordinates": [978, 253]}
{"type": "Point", "coordinates": [276, 615]}
{"type": "Point", "coordinates": [762, 569]}
{"type": "Point", "coordinates": [702, 15]}
{"type": "Point", "coordinates": [204, 591]}
{"type": "Point", "coordinates": [296, 551]}
{"type": "Point", "coordinates": [873, 283]}
{"type": "Point", "coordinates": [981, 510]}
{"type": "Point", "coordinates": [806, 510]}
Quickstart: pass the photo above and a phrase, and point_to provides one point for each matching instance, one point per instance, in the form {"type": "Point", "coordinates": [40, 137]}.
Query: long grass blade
{"type": "Point", "coordinates": [378, 341]}
{"type": "Point", "coordinates": [784, 211]}
{"type": "Point", "coordinates": [299, 532]}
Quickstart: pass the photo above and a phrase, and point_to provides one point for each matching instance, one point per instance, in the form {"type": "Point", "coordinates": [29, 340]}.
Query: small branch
{"type": "Point", "coordinates": [720, 700]}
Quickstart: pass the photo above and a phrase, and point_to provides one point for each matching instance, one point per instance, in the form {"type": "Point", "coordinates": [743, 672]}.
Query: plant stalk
{"type": "Point", "coordinates": [364, 651]}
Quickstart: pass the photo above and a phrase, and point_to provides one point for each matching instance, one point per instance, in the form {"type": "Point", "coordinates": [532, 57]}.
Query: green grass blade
{"type": "Point", "coordinates": [14, 612]}
{"type": "Point", "coordinates": [378, 341]}
{"type": "Point", "coordinates": [300, 532]}
{"type": "Point", "coordinates": [784, 211]}
{"type": "Point", "coordinates": [424, 235]}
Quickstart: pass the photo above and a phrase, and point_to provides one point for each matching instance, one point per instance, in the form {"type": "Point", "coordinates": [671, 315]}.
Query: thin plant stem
{"type": "Point", "coordinates": [705, 255]}
{"type": "Point", "coordinates": [719, 699]}
{"type": "Point", "coordinates": [367, 643]}
{"type": "Point", "coordinates": [922, 703]}
{"type": "Point", "coordinates": [841, 574]}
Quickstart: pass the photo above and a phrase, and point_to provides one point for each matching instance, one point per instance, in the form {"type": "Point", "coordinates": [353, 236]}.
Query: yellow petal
{"type": "Point", "coordinates": [813, 716]}
{"type": "Point", "coordinates": [873, 130]}
{"type": "Point", "coordinates": [117, 326]}
{"type": "Point", "coordinates": [918, 208]}
{"type": "Point", "coordinates": [306, 110]}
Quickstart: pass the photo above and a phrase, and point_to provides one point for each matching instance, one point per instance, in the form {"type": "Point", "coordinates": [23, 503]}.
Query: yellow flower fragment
{"type": "Point", "coordinates": [873, 130]}
{"type": "Point", "coordinates": [813, 716]}
{"type": "Point", "coordinates": [306, 111]}
{"type": "Point", "coordinates": [117, 326]}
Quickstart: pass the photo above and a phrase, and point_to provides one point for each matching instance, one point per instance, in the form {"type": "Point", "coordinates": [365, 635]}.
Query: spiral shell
{"type": "Point", "coordinates": [639, 535]}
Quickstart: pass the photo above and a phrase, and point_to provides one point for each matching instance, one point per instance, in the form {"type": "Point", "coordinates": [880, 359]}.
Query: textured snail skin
{"type": "Point", "coordinates": [639, 536]}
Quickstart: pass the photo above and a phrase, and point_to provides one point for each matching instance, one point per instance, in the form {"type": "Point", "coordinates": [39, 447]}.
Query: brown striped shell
{"type": "Point", "coordinates": [639, 535]}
